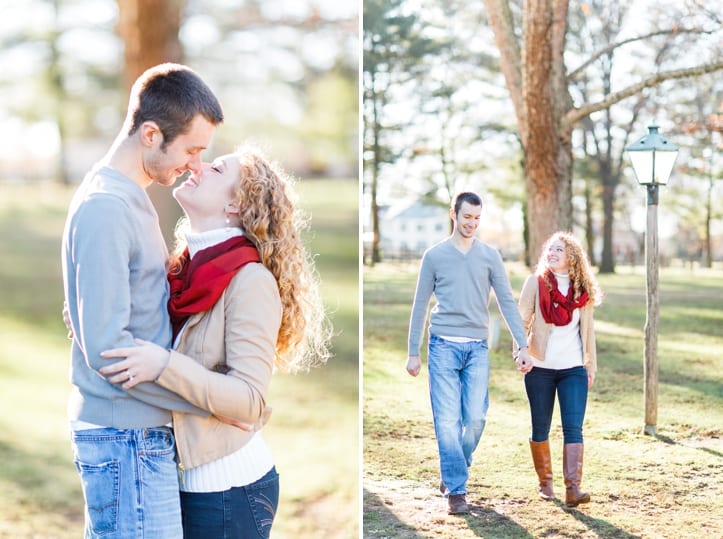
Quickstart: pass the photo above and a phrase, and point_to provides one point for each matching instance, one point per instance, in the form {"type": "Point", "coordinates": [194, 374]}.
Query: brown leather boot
{"type": "Point", "coordinates": [457, 504]}
{"type": "Point", "coordinates": [572, 469]}
{"type": "Point", "coordinates": [543, 467]}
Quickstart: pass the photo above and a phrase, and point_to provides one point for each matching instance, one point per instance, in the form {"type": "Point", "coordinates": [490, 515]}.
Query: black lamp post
{"type": "Point", "coordinates": [652, 158]}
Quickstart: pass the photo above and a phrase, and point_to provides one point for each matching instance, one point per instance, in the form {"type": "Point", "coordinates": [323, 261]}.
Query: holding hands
{"type": "Point", "coordinates": [523, 361]}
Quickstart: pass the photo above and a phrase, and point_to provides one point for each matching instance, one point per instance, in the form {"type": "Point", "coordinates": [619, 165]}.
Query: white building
{"type": "Point", "coordinates": [409, 227]}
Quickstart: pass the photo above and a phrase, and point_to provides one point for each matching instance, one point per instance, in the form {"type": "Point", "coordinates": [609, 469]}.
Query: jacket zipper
{"type": "Point", "coordinates": [181, 472]}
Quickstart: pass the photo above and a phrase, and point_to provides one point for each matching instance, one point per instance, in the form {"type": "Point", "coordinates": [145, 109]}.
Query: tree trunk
{"type": "Point", "coordinates": [149, 29]}
{"type": "Point", "coordinates": [535, 77]}
{"type": "Point", "coordinates": [548, 148]}
{"type": "Point", "coordinates": [56, 83]}
{"type": "Point", "coordinates": [376, 255]}
{"type": "Point", "coordinates": [708, 255]}
{"type": "Point", "coordinates": [589, 229]}
{"type": "Point", "coordinates": [607, 260]}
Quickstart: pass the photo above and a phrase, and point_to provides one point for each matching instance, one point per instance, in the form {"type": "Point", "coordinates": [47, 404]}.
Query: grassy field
{"type": "Point", "coordinates": [669, 486]}
{"type": "Point", "coordinates": [314, 431]}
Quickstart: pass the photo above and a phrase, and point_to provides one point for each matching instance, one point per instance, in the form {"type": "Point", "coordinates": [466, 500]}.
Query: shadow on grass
{"type": "Point", "coordinates": [485, 521]}
{"type": "Point", "coordinates": [379, 521]}
{"type": "Point", "coordinates": [601, 528]}
{"type": "Point", "coordinates": [711, 451]}
{"type": "Point", "coordinates": [482, 520]}
{"type": "Point", "coordinates": [670, 441]}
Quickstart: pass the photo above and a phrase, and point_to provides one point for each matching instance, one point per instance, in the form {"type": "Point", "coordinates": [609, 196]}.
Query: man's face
{"type": "Point", "coordinates": [184, 153]}
{"type": "Point", "coordinates": [467, 219]}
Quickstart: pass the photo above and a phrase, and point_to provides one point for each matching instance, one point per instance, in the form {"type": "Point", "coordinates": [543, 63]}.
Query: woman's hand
{"type": "Point", "coordinates": [142, 363]}
{"type": "Point", "coordinates": [590, 379]}
{"type": "Point", "coordinates": [248, 427]}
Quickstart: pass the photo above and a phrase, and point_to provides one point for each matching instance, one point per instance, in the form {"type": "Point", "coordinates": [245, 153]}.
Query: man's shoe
{"type": "Point", "coordinates": [458, 504]}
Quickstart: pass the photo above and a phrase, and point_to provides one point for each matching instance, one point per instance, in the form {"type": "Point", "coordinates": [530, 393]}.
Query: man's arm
{"type": "Point", "coordinates": [100, 245]}
{"type": "Point", "coordinates": [422, 294]}
{"type": "Point", "coordinates": [511, 314]}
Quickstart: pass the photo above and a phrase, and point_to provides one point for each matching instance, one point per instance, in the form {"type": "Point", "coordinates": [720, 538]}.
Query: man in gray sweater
{"type": "Point", "coordinates": [114, 274]}
{"type": "Point", "coordinates": [460, 271]}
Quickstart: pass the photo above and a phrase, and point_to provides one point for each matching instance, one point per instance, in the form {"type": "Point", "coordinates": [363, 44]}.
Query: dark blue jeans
{"type": "Point", "coordinates": [571, 388]}
{"type": "Point", "coordinates": [238, 513]}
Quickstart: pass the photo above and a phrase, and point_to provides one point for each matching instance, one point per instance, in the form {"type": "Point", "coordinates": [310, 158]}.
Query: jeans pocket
{"type": "Point", "coordinates": [101, 490]}
{"type": "Point", "coordinates": [263, 498]}
{"type": "Point", "coordinates": [158, 441]}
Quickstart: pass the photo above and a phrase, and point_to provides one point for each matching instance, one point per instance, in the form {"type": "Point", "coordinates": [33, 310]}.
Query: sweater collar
{"type": "Point", "coordinates": [202, 240]}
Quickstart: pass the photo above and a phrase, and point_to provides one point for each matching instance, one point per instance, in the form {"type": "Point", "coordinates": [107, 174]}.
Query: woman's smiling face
{"type": "Point", "coordinates": [206, 198]}
{"type": "Point", "coordinates": [557, 257]}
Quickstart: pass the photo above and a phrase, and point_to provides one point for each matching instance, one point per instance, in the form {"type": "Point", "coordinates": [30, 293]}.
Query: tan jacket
{"type": "Point", "coordinates": [538, 331]}
{"type": "Point", "coordinates": [237, 336]}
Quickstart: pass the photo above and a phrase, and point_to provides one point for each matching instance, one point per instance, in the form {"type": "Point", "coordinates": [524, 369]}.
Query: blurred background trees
{"type": "Point", "coordinates": [284, 71]}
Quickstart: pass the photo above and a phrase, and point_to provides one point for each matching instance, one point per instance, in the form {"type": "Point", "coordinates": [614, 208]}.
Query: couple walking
{"type": "Point", "coordinates": [552, 327]}
{"type": "Point", "coordinates": [171, 361]}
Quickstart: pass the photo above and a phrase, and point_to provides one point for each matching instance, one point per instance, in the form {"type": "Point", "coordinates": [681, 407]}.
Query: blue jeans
{"type": "Point", "coordinates": [130, 482]}
{"type": "Point", "coordinates": [459, 376]}
{"type": "Point", "coordinates": [571, 388]}
{"type": "Point", "coordinates": [238, 513]}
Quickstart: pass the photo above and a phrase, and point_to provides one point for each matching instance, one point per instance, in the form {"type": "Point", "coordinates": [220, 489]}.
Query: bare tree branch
{"type": "Point", "coordinates": [575, 115]}
{"type": "Point", "coordinates": [502, 24]}
{"type": "Point", "coordinates": [612, 46]}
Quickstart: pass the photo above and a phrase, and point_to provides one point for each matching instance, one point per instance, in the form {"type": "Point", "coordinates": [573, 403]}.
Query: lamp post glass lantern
{"type": "Point", "coordinates": [652, 158]}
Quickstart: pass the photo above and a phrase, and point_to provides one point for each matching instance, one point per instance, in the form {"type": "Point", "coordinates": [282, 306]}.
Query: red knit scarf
{"type": "Point", "coordinates": [556, 308]}
{"type": "Point", "coordinates": [202, 279]}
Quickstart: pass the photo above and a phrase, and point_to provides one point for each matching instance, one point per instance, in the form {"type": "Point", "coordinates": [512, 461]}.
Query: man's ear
{"type": "Point", "coordinates": [150, 134]}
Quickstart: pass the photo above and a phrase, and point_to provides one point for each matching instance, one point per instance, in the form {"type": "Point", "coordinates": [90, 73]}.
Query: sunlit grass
{"type": "Point", "coordinates": [642, 486]}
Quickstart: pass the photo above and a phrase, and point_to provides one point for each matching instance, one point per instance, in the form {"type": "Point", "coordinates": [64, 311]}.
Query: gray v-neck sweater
{"type": "Point", "coordinates": [461, 284]}
{"type": "Point", "coordinates": [114, 274]}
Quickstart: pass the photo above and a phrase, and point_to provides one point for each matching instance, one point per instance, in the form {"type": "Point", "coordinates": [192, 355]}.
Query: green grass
{"type": "Point", "coordinates": [314, 429]}
{"type": "Point", "coordinates": [642, 486]}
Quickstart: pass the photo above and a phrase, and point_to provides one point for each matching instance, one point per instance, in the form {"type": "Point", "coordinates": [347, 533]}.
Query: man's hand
{"type": "Point", "coordinates": [414, 365]}
{"type": "Point", "coordinates": [66, 320]}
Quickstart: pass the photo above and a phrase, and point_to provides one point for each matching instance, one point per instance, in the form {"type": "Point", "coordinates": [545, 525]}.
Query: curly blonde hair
{"type": "Point", "coordinates": [270, 219]}
{"type": "Point", "coordinates": [582, 277]}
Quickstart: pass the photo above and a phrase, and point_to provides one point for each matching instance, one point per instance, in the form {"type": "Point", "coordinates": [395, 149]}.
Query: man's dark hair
{"type": "Point", "coordinates": [171, 95]}
{"type": "Point", "coordinates": [469, 197]}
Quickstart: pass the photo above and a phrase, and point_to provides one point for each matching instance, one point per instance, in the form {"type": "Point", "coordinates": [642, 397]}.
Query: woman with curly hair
{"type": "Point", "coordinates": [556, 305]}
{"type": "Point", "coordinates": [244, 302]}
